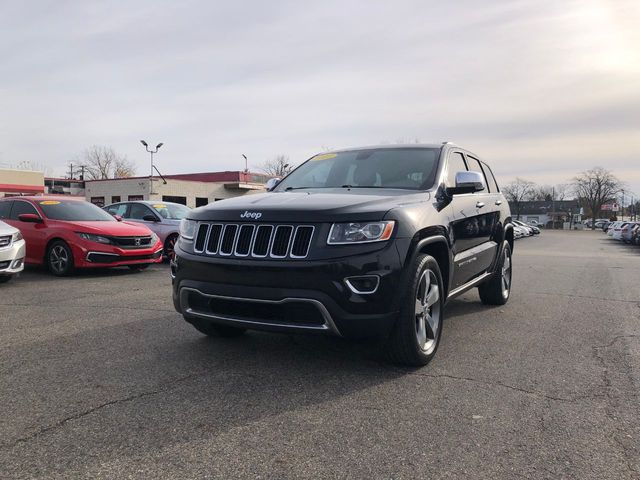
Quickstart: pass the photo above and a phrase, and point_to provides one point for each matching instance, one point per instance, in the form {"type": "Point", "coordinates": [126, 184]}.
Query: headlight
{"type": "Point", "coordinates": [95, 238]}
{"type": "Point", "coordinates": [17, 236]}
{"type": "Point", "coordinates": [187, 228]}
{"type": "Point", "coordinates": [342, 233]}
{"type": "Point", "coordinates": [154, 238]}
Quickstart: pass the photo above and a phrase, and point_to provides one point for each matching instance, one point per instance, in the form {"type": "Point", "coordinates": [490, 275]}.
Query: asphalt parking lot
{"type": "Point", "coordinates": [100, 378]}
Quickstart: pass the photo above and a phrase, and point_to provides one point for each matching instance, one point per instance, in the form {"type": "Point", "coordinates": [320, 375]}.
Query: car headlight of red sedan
{"type": "Point", "coordinates": [95, 238]}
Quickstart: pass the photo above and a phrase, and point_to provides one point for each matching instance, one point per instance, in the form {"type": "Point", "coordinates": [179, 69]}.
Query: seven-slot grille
{"type": "Point", "coordinates": [5, 240]}
{"type": "Point", "coordinates": [253, 240]}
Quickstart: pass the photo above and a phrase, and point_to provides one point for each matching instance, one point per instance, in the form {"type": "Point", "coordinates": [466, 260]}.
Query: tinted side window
{"type": "Point", "coordinates": [5, 209]}
{"type": "Point", "coordinates": [138, 211]}
{"type": "Point", "coordinates": [119, 209]}
{"type": "Point", "coordinates": [474, 166]}
{"type": "Point", "coordinates": [20, 207]}
{"type": "Point", "coordinates": [456, 164]}
{"type": "Point", "coordinates": [493, 185]}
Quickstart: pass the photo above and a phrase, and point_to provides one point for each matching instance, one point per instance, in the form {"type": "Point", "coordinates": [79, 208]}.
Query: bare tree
{"type": "Point", "coordinates": [596, 187]}
{"type": "Point", "coordinates": [103, 162]}
{"type": "Point", "coordinates": [34, 166]}
{"type": "Point", "coordinates": [278, 166]}
{"type": "Point", "coordinates": [548, 193]}
{"type": "Point", "coordinates": [517, 192]}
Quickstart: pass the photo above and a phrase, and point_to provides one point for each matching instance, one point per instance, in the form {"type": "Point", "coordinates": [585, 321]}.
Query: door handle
{"type": "Point", "coordinates": [498, 202]}
{"type": "Point", "coordinates": [479, 204]}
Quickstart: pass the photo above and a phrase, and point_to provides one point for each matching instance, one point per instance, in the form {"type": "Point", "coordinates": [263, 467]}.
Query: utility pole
{"type": "Point", "coordinates": [82, 167]}
{"type": "Point", "coordinates": [622, 206]}
{"type": "Point", "coordinates": [71, 171]}
{"type": "Point", "coordinates": [553, 207]}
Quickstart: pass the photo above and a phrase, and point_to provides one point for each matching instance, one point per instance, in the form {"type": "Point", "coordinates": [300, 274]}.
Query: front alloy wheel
{"type": "Point", "coordinates": [416, 334]}
{"type": "Point", "coordinates": [60, 259]}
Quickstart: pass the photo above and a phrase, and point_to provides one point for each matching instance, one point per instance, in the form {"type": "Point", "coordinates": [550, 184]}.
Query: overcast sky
{"type": "Point", "coordinates": [540, 89]}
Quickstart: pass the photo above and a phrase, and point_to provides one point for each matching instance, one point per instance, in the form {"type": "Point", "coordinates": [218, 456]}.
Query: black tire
{"type": "Point", "coordinates": [5, 278]}
{"type": "Point", "coordinates": [418, 328]}
{"type": "Point", "coordinates": [497, 289]}
{"type": "Point", "coordinates": [139, 268]}
{"type": "Point", "coordinates": [169, 246]}
{"type": "Point", "coordinates": [60, 259]}
{"type": "Point", "coordinates": [213, 330]}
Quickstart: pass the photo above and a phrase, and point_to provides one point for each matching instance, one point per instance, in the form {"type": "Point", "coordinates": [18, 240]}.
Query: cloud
{"type": "Point", "coordinates": [519, 82]}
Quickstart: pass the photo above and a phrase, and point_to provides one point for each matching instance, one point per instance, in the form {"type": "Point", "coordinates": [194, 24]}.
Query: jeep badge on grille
{"type": "Point", "coordinates": [252, 215]}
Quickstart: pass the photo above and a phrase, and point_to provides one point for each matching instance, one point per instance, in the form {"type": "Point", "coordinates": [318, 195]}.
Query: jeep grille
{"type": "Point", "coordinates": [253, 240]}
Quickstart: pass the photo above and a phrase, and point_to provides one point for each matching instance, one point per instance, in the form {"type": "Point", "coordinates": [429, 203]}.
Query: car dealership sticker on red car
{"type": "Point", "coordinates": [64, 234]}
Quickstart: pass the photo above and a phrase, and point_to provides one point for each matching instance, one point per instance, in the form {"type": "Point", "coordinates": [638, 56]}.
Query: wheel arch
{"type": "Point", "coordinates": [436, 245]}
{"type": "Point", "coordinates": [49, 243]}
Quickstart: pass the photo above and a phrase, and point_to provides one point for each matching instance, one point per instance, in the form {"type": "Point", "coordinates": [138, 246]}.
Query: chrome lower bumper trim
{"type": "Point", "coordinates": [328, 326]}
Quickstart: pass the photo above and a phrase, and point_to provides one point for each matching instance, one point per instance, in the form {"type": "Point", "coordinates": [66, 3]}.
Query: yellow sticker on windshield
{"type": "Point", "coordinates": [324, 156]}
{"type": "Point", "coordinates": [50, 202]}
{"type": "Point", "coordinates": [159, 206]}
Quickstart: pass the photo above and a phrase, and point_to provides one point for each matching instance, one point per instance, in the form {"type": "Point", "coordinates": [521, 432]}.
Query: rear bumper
{"type": "Point", "coordinates": [289, 296]}
{"type": "Point", "coordinates": [12, 258]}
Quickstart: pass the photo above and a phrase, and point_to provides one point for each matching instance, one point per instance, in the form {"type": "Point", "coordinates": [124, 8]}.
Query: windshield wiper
{"type": "Point", "coordinates": [294, 188]}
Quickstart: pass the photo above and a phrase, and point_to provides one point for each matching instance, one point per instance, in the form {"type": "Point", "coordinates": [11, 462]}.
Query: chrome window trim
{"type": "Point", "coordinates": [275, 233]}
{"type": "Point", "coordinates": [295, 233]}
{"type": "Point", "coordinates": [328, 326]}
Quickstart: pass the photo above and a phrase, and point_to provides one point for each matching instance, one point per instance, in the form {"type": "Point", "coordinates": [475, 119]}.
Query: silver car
{"type": "Point", "coordinates": [12, 252]}
{"type": "Point", "coordinates": [163, 218]}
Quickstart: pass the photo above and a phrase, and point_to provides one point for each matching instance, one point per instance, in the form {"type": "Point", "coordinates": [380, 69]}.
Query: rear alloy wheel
{"type": "Point", "coordinates": [497, 289]}
{"type": "Point", "coordinates": [418, 329]}
{"type": "Point", "coordinates": [213, 330]}
{"type": "Point", "coordinates": [60, 259]}
{"type": "Point", "coordinates": [170, 246]}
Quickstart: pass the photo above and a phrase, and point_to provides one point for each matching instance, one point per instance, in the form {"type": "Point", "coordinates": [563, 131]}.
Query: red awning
{"type": "Point", "coordinates": [14, 188]}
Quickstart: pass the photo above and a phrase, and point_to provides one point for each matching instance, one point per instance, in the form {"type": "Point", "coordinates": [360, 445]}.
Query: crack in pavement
{"type": "Point", "coordinates": [60, 423]}
{"type": "Point", "coordinates": [504, 385]}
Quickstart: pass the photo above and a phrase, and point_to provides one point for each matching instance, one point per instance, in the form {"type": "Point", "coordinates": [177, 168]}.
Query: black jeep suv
{"type": "Point", "coordinates": [361, 242]}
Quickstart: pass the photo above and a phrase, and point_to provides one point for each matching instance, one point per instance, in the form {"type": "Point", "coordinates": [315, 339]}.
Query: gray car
{"type": "Point", "coordinates": [163, 218]}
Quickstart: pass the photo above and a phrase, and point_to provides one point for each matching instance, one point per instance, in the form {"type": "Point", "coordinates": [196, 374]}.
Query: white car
{"type": "Point", "coordinates": [12, 252]}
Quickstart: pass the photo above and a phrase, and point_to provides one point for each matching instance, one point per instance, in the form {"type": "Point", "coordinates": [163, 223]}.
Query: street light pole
{"type": "Point", "coordinates": [151, 152]}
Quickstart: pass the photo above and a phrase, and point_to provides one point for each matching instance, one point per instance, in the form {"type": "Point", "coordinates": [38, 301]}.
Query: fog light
{"type": "Point", "coordinates": [17, 264]}
{"type": "Point", "coordinates": [363, 285]}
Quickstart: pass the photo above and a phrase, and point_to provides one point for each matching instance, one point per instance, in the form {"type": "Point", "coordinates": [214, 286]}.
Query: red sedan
{"type": "Point", "coordinates": [64, 234]}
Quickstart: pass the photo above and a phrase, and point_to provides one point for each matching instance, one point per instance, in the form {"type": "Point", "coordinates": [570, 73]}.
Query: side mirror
{"type": "Point", "coordinates": [467, 182]}
{"type": "Point", "coordinates": [30, 218]}
{"type": "Point", "coordinates": [117, 217]}
{"type": "Point", "coordinates": [271, 184]}
{"type": "Point", "coordinates": [150, 218]}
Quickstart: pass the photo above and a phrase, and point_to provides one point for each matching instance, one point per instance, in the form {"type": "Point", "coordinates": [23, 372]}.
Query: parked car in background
{"type": "Point", "coordinates": [635, 234]}
{"type": "Point", "coordinates": [531, 230]}
{"type": "Point", "coordinates": [625, 234]}
{"type": "Point", "coordinates": [163, 218]}
{"type": "Point", "coordinates": [519, 232]}
{"type": "Point", "coordinates": [605, 226]}
{"type": "Point", "coordinates": [65, 234]}
{"type": "Point", "coordinates": [12, 251]}
{"type": "Point", "coordinates": [611, 228]}
{"type": "Point", "coordinates": [617, 231]}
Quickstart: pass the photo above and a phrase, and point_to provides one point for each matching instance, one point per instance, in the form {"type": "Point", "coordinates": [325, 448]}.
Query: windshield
{"type": "Point", "coordinates": [74, 210]}
{"type": "Point", "coordinates": [171, 211]}
{"type": "Point", "coordinates": [407, 168]}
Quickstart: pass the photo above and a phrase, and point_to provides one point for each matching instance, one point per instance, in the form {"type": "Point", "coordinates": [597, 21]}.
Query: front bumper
{"type": "Point", "coordinates": [93, 255]}
{"type": "Point", "coordinates": [289, 296]}
{"type": "Point", "coordinates": [12, 258]}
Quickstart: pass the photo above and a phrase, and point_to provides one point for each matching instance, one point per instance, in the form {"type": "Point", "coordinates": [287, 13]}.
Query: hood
{"type": "Point", "coordinates": [6, 229]}
{"type": "Point", "coordinates": [326, 205]}
{"type": "Point", "coordinates": [115, 229]}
